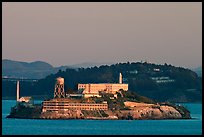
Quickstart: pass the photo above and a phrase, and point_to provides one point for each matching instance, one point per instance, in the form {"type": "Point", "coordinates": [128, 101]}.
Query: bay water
{"type": "Point", "coordinates": [12, 126]}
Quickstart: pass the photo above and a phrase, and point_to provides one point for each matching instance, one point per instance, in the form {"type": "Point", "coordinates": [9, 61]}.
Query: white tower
{"type": "Point", "coordinates": [59, 88]}
{"type": "Point", "coordinates": [17, 92]}
{"type": "Point", "coordinates": [120, 78]}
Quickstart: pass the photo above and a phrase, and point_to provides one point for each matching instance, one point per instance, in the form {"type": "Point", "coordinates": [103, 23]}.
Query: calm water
{"type": "Point", "coordinates": [102, 127]}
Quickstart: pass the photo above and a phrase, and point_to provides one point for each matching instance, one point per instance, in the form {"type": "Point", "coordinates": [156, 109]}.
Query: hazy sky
{"type": "Point", "coordinates": [72, 33]}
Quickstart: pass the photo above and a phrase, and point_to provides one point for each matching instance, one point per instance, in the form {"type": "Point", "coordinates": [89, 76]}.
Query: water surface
{"type": "Point", "coordinates": [102, 127]}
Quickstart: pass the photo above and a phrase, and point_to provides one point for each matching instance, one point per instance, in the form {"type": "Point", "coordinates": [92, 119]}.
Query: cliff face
{"type": "Point", "coordinates": [70, 114]}
{"type": "Point", "coordinates": [25, 112]}
{"type": "Point", "coordinates": [163, 112]}
{"type": "Point", "coordinates": [148, 111]}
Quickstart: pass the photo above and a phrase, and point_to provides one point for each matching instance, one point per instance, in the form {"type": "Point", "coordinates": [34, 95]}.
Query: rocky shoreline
{"type": "Point", "coordinates": [141, 112]}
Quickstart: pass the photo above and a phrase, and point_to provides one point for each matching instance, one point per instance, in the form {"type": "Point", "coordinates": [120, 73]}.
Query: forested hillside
{"type": "Point", "coordinates": [159, 82]}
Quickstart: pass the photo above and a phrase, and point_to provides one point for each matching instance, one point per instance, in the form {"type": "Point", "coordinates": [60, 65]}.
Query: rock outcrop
{"type": "Point", "coordinates": [70, 114]}
{"type": "Point", "coordinates": [163, 112]}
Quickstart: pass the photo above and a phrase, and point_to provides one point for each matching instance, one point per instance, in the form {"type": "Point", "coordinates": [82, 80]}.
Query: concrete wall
{"type": "Point", "coordinates": [107, 87]}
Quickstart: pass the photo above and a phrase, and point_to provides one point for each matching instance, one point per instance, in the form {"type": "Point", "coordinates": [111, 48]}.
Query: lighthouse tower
{"type": "Point", "coordinates": [120, 78]}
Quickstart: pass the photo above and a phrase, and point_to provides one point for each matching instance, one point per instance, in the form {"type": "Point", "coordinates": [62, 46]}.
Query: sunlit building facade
{"type": "Point", "coordinates": [93, 89]}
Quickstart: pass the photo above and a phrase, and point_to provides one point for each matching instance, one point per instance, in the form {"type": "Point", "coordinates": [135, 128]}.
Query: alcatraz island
{"type": "Point", "coordinates": [96, 101]}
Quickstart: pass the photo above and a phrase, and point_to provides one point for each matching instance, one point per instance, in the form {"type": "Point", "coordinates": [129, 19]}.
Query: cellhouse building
{"type": "Point", "coordinates": [93, 89]}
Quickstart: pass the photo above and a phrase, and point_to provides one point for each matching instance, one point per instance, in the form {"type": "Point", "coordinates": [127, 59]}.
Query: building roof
{"type": "Point", "coordinates": [26, 98]}
{"type": "Point", "coordinates": [102, 83]}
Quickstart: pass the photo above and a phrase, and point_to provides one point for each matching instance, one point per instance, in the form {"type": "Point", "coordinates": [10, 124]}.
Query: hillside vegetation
{"type": "Point", "coordinates": [181, 85]}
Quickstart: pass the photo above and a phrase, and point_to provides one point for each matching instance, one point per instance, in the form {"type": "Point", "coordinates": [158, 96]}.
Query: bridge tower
{"type": "Point", "coordinates": [59, 88]}
{"type": "Point", "coordinates": [17, 91]}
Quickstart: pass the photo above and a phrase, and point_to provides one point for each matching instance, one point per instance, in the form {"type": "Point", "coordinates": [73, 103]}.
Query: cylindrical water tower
{"type": "Point", "coordinates": [59, 88]}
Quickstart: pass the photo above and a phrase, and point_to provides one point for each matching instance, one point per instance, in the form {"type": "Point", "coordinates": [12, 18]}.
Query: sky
{"type": "Point", "coordinates": [73, 33]}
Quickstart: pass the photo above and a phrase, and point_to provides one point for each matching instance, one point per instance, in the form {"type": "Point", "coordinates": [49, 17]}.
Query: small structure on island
{"type": "Point", "coordinates": [74, 95]}
{"type": "Point", "coordinates": [26, 101]}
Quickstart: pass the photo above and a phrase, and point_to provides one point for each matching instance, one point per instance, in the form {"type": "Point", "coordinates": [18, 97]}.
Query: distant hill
{"type": "Point", "coordinates": [158, 82]}
{"type": "Point", "coordinates": [32, 70]}
{"type": "Point", "coordinates": [37, 69]}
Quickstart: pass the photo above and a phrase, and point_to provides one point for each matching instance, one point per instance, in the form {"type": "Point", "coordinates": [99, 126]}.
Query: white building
{"type": "Point", "coordinates": [92, 89]}
{"type": "Point", "coordinates": [26, 100]}
{"type": "Point", "coordinates": [162, 79]}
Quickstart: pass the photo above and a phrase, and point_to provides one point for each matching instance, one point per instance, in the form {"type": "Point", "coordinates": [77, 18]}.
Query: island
{"type": "Point", "coordinates": [101, 101]}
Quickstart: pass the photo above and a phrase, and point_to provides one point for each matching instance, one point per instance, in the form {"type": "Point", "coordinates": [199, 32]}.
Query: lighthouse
{"type": "Point", "coordinates": [120, 78]}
